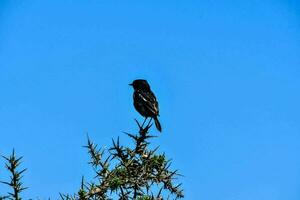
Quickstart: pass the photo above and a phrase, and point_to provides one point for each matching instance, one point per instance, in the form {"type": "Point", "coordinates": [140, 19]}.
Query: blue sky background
{"type": "Point", "coordinates": [226, 74]}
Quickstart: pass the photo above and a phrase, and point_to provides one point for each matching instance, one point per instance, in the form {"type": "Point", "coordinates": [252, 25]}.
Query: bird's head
{"type": "Point", "coordinates": [140, 84]}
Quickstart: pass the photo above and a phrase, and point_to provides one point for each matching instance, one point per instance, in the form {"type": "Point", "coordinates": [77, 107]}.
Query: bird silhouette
{"type": "Point", "coordinates": [145, 101]}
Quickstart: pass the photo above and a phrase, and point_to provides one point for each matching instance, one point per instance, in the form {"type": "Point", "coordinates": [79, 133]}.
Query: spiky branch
{"type": "Point", "coordinates": [12, 164]}
{"type": "Point", "coordinates": [130, 173]}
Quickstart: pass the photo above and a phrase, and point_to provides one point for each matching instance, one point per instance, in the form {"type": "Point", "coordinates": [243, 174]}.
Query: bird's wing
{"type": "Point", "coordinates": [150, 101]}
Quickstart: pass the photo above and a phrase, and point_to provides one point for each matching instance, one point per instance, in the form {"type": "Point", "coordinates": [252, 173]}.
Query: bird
{"type": "Point", "coordinates": [145, 102]}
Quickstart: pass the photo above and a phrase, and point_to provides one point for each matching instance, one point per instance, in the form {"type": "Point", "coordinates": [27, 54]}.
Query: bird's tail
{"type": "Point", "coordinates": [157, 124]}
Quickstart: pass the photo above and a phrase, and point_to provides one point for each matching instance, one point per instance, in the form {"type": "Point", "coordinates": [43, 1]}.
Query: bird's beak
{"type": "Point", "coordinates": [130, 84]}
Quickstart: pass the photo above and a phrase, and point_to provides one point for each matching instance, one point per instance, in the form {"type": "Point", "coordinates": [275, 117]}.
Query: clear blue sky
{"type": "Point", "coordinates": [226, 74]}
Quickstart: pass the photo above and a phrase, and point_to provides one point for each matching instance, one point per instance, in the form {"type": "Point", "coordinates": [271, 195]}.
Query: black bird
{"type": "Point", "coordinates": [145, 101]}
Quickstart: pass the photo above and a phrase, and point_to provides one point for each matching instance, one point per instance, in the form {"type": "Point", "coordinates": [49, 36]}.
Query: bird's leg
{"type": "Point", "coordinates": [144, 122]}
{"type": "Point", "coordinates": [149, 122]}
